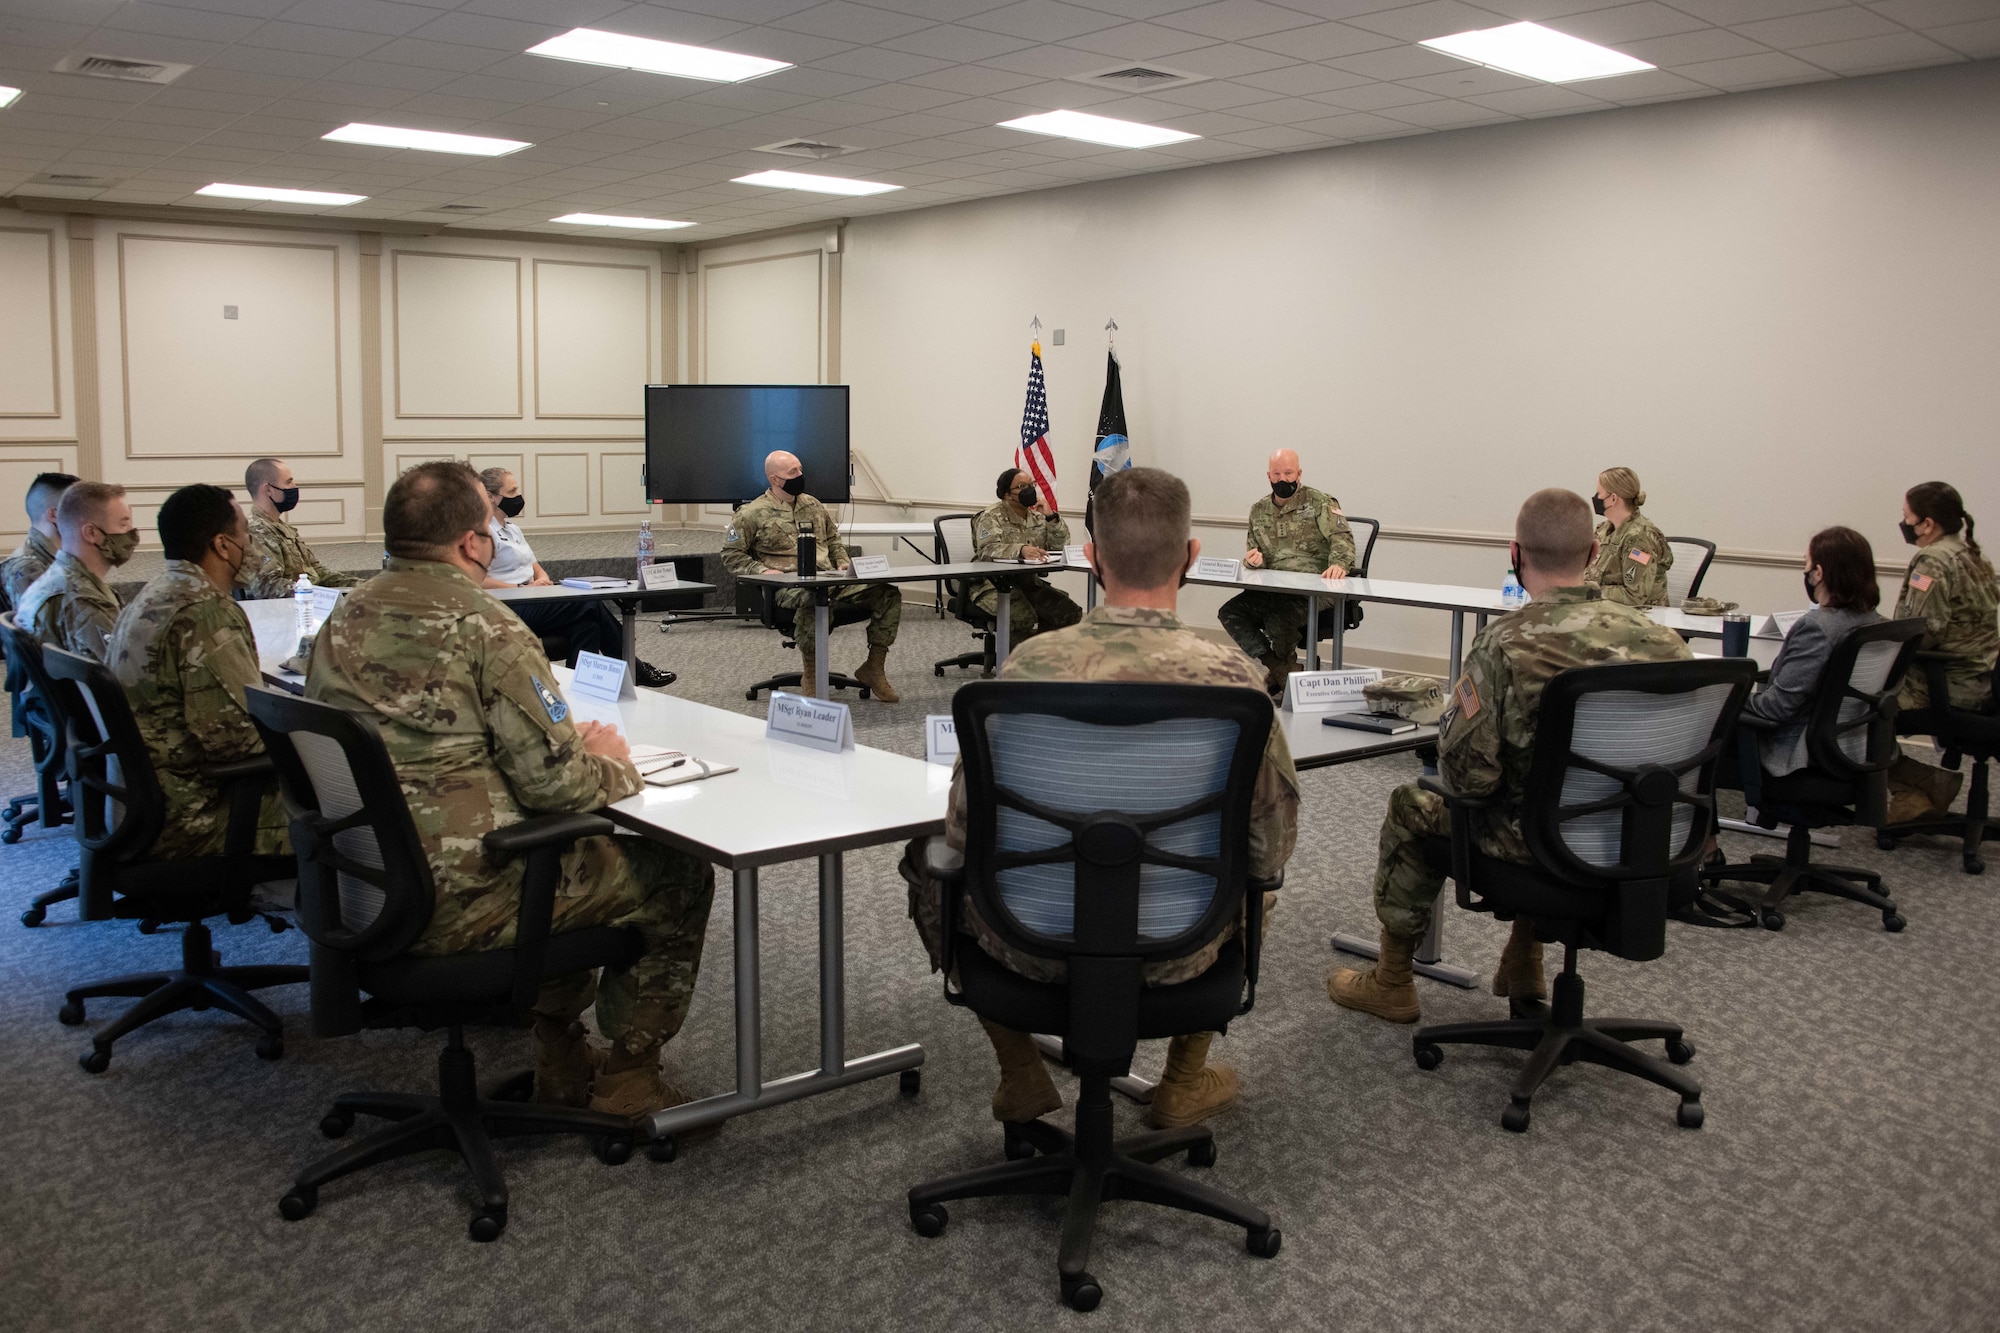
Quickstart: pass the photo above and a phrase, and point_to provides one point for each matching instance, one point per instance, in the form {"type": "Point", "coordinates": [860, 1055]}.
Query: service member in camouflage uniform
{"type": "Point", "coordinates": [278, 555]}
{"type": "Point", "coordinates": [764, 536]}
{"type": "Point", "coordinates": [1632, 556]}
{"type": "Point", "coordinates": [1951, 586]}
{"type": "Point", "coordinates": [71, 606]}
{"type": "Point", "coordinates": [482, 738]}
{"type": "Point", "coordinates": [1486, 742]}
{"type": "Point", "coordinates": [1020, 527]}
{"type": "Point", "coordinates": [184, 652]}
{"type": "Point", "coordinates": [1142, 549]}
{"type": "Point", "coordinates": [37, 550]}
{"type": "Point", "coordinates": [1294, 529]}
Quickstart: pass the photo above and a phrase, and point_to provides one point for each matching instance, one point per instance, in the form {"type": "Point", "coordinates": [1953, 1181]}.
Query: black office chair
{"type": "Point", "coordinates": [1692, 557]}
{"type": "Point", "coordinates": [1056, 874]}
{"type": "Point", "coordinates": [1629, 753]}
{"type": "Point", "coordinates": [120, 812]}
{"type": "Point", "coordinates": [953, 545]}
{"type": "Point", "coordinates": [1366, 530]}
{"type": "Point", "coordinates": [1962, 734]}
{"type": "Point", "coordinates": [1850, 744]}
{"type": "Point", "coordinates": [782, 620]}
{"type": "Point", "coordinates": [365, 896]}
{"type": "Point", "coordinates": [48, 805]}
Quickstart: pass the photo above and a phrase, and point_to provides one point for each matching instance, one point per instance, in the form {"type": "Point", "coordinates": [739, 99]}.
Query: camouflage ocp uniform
{"type": "Point", "coordinates": [764, 536]}
{"type": "Point", "coordinates": [1486, 739]}
{"type": "Point", "coordinates": [1308, 534]}
{"type": "Point", "coordinates": [1632, 563]}
{"type": "Point", "coordinates": [481, 738]}
{"type": "Point", "coordinates": [19, 570]}
{"type": "Point", "coordinates": [1954, 592]}
{"type": "Point", "coordinates": [70, 608]}
{"type": "Point", "coordinates": [1117, 643]}
{"type": "Point", "coordinates": [999, 531]}
{"type": "Point", "coordinates": [277, 556]}
{"type": "Point", "coordinates": [184, 653]}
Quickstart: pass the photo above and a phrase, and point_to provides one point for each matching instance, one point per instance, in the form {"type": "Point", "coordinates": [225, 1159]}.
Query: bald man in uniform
{"type": "Point", "coordinates": [1294, 529]}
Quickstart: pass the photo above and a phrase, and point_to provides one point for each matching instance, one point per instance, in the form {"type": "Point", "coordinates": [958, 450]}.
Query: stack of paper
{"type": "Point", "coordinates": [595, 582]}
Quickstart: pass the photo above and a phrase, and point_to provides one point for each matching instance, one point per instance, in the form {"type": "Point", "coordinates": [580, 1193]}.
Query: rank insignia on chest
{"type": "Point", "coordinates": [1643, 557]}
{"type": "Point", "coordinates": [551, 704]}
{"type": "Point", "coordinates": [1920, 583]}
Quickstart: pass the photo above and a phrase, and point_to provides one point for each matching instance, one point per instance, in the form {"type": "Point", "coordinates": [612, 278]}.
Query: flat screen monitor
{"type": "Point", "coordinates": [706, 443]}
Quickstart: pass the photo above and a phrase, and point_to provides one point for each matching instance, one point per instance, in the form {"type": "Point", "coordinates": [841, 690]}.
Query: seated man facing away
{"type": "Point", "coordinates": [184, 652]}
{"type": "Point", "coordinates": [481, 738]}
{"type": "Point", "coordinates": [1020, 526]}
{"type": "Point", "coordinates": [1143, 548]}
{"type": "Point", "coordinates": [589, 624]}
{"type": "Point", "coordinates": [278, 555]}
{"type": "Point", "coordinates": [37, 550]}
{"type": "Point", "coordinates": [71, 606]}
{"type": "Point", "coordinates": [1486, 742]}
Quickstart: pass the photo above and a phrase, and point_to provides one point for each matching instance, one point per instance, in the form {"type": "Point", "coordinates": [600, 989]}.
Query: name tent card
{"type": "Point", "coordinates": [1778, 624]}
{"type": "Point", "coordinates": [1073, 555]}
{"type": "Point", "coordinates": [870, 566]}
{"type": "Point", "coordinates": [940, 739]}
{"type": "Point", "coordinates": [654, 577]}
{"type": "Point", "coordinates": [323, 602]}
{"type": "Point", "coordinates": [605, 679]}
{"type": "Point", "coordinates": [1217, 567]}
{"type": "Point", "coordinates": [1324, 691]}
{"type": "Point", "coordinates": [818, 723]}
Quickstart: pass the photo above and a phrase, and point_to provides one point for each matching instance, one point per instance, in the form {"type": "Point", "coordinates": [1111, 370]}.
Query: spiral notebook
{"type": "Point", "coordinates": [661, 767]}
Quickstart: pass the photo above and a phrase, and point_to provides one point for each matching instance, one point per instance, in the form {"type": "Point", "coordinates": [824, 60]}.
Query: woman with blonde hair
{"type": "Point", "coordinates": [1632, 556]}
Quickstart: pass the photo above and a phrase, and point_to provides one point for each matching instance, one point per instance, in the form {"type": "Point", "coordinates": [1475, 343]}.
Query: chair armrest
{"type": "Point", "coordinates": [237, 770]}
{"type": "Point", "coordinates": [1436, 785]}
{"type": "Point", "coordinates": [1756, 723]}
{"type": "Point", "coordinates": [1271, 885]}
{"type": "Point", "coordinates": [544, 831]}
{"type": "Point", "coordinates": [542, 840]}
{"type": "Point", "coordinates": [942, 862]}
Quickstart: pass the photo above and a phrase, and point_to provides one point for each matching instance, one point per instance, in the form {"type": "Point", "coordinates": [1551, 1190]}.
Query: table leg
{"type": "Point", "coordinates": [822, 632]}
{"type": "Point", "coordinates": [832, 965]}
{"type": "Point", "coordinates": [1457, 644]}
{"type": "Point", "coordinates": [1002, 625]}
{"type": "Point", "coordinates": [749, 990]}
{"type": "Point", "coordinates": [1312, 633]}
{"type": "Point", "coordinates": [1339, 632]}
{"type": "Point", "coordinates": [1429, 958]}
{"type": "Point", "coordinates": [629, 613]}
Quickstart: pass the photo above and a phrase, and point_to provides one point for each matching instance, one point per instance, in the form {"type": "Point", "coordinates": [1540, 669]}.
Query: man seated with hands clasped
{"type": "Point", "coordinates": [1486, 743]}
{"type": "Point", "coordinates": [1294, 529]}
{"type": "Point", "coordinates": [1143, 548]}
{"type": "Point", "coordinates": [1022, 527]}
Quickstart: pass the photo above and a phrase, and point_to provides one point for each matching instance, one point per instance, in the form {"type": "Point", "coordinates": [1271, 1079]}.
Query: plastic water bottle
{"type": "Point", "coordinates": [1512, 593]}
{"type": "Point", "coordinates": [302, 613]}
{"type": "Point", "coordinates": [645, 546]}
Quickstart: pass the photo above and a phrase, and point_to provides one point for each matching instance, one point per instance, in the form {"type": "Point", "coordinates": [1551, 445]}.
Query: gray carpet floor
{"type": "Point", "coordinates": [1848, 1176]}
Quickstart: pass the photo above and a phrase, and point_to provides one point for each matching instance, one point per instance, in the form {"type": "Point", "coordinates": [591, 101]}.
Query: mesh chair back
{"type": "Point", "coordinates": [37, 701]}
{"type": "Point", "coordinates": [951, 536]}
{"type": "Point", "coordinates": [114, 789]}
{"type": "Point", "coordinates": [1851, 733]}
{"type": "Point", "coordinates": [1692, 556]}
{"type": "Point", "coordinates": [1366, 530]}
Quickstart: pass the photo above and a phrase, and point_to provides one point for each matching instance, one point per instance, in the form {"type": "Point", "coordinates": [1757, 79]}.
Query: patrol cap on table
{"type": "Point", "coordinates": [1418, 698]}
{"type": "Point", "coordinates": [1707, 606]}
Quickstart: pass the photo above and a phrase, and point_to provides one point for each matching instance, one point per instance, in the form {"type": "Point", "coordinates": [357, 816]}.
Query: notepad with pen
{"type": "Point", "coordinates": [661, 767]}
{"type": "Point", "coordinates": [1388, 724]}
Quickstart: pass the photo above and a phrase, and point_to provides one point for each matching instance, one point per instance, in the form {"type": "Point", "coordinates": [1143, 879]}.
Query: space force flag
{"type": "Point", "coordinates": [1034, 456]}
{"type": "Point", "coordinates": [1113, 450]}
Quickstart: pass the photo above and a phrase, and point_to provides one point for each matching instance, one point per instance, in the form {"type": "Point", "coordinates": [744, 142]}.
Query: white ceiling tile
{"type": "Point", "coordinates": [321, 41]}
{"type": "Point", "coordinates": [1359, 125]}
{"type": "Point", "coordinates": [173, 21]}
{"type": "Point", "coordinates": [1139, 41]}
{"type": "Point", "coordinates": [806, 81]}
{"type": "Point", "coordinates": [381, 16]}
{"type": "Point", "coordinates": [1302, 80]}
{"type": "Point", "coordinates": [873, 62]}
{"type": "Point", "coordinates": [1540, 11]}
{"type": "Point", "coordinates": [1283, 138]}
{"type": "Point", "coordinates": [1208, 122]}
{"type": "Point", "coordinates": [1229, 60]}
{"type": "Point", "coordinates": [1298, 110]}
{"type": "Point", "coordinates": [1758, 71]}
{"type": "Point", "coordinates": [938, 11]}
{"type": "Point", "coordinates": [1648, 85]}
{"type": "Point", "coordinates": [973, 79]}
{"type": "Point", "coordinates": [1447, 114]}
{"type": "Point", "coordinates": [1324, 41]}
{"type": "Point", "coordinates": [1877, 53]}
{"type": "Point", "coordinates": [902, 96]}
{"type": "Point", "coordinates": [1627, 23]}
{"type": "Point", "coordinates": [1420, 22]}
{"type": "Point", "coordinates": [851, 23]}
{"type": "Point", "coordinates": [1469, 81]}
{"type": "Point", "coordinates": [922, 125]}
{"type": "Point", "coordinates": [678, 25]}
{"type": "Point", "coordinates": [1235, 20]}
{"type": "Point", "coordinates": [1731, 12]}
{"type": "Point", "coordinates": [1936, 13]}
{"type": "Point", "coordinates": [1536, 101]}
{"type": "Point", "coordinates": [499, 34]}
{"type": "Point", "coordinates": [1399, 62]}
{"type": "Point", "coordinates": [565, 13]}
{"type": "Point", "coordinates": [1977, 40]}
{"type": "Point", "coordinates": [259, 60]}
{"type": "Point", "coordinates": [1691, 47]}
{"type": "Point", "coordinates": [1215, 95]}
{"type": "Point", "coordinates": [421, 54]}
{"type": "Point", "coordinates": [1846, 24]}
{"type": "Point", "coordinates": [952, 41]}
{"type": "Point", "coordinates": [1042, 20]}
{"type": "Point", "coordinates": [1372, 97]}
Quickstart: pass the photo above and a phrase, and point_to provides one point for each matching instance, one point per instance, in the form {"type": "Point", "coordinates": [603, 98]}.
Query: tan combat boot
{"type": "Point", "coordinates": [1191, 1090]}
{"type": "Point", "coordinates": [1919, 791]}
{"type": "Point", "coordinates": [808, 669]}
{"type": "Point", "coordinates": [1384, 990]}
{"type": "Point", "coordinates": [873, 674]}
{"type": "Point", "coordinates": [565, 1062]}
{"type": "Point", "coordinates": [633, 1087]}
{"type": "Point", "coordinates": [1276, 668]}
{"type": "Point", "coordinates": [1026, 1091]}
{"type": "Point", "coordinates": [1519, 976]}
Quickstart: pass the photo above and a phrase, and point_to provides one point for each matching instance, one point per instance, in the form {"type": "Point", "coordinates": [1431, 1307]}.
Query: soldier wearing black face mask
{"type": "Point", "coordinates": [278, 555]}
{"type": "Point", "coordinates": [1021, 527]}
{"type": "Point", "coordinates": [1294, 529]}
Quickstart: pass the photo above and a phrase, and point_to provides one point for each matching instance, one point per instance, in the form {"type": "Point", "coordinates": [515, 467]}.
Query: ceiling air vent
{"type": "Point", "coordinates": [117, 67]}
{"type": "Point", "coordinates": [806, 148]}
{"type": "Point", "coordinates": [71, 181]}
{"type": "Point", "coordinates": [459, 208]}
{"type": "Point", "coordinates": [1138, 78]}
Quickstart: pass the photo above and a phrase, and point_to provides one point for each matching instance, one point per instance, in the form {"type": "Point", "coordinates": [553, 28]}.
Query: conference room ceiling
{"type": "Point", "coordinates": [913, 90]}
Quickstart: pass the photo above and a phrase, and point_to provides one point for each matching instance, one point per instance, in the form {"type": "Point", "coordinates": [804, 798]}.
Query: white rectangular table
{"type": "Point", "coordinates": [627, 595]}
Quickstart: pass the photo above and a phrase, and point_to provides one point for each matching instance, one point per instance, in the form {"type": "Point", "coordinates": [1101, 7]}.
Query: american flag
{"type": "Point", "coordinates": [1034, 455]}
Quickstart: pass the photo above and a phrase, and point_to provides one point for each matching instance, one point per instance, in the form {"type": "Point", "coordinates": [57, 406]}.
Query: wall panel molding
{"type": "Point", "coordinates": [397, 351]}
{"type": "Point", "coordinates": [55, 324]}
{"type": "Point", "coordinates": [560, 496]}
{"type": "Point", "coordinates": [545, 298]}
{"type": "Point", "coordinates": [82, 236]}
{"type": "Point", "coordinates": [708, 266]}
{"type": "Point", "coordinates": [620, 475]}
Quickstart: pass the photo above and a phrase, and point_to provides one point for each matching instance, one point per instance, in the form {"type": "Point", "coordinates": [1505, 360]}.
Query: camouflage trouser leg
{"type": "Point", "coordinates": [885, 606]}
{"type": "Point", "coordinates": [663, 894]}
{"type": "Point", "coordinates": [1412, 865]}
{"type": "Point", "coordinates": [1265, 622]}
{"type": "Point", "coordinates": [1035, 607]}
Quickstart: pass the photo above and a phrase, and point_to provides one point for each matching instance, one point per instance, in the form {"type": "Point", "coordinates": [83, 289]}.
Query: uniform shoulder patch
{"type": "Point", "coordinates": [1921, 582]}
{"type": "Point", "coordinates": [729, 533]}
{"type": "Point", "coordinates": [1643, 557]}
{"type": "Point", "coordinates": [551, 704]}
{"type": "Point", "coordinates": [1468, 697]}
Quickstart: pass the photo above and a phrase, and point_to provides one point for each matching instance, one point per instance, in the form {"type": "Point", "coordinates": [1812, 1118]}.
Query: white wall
{"type": "Point", "coordinates": [1782, 308]}
{"type": "Point", "coordinates": [37, 371]}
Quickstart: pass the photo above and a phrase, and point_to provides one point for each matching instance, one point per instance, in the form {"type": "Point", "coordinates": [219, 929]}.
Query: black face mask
{"type": "Point", "coordinates": [1597, 503]}
{"type": "Point", "coordinates": [288, 499]}
{"type": "Point", "coordinates": [1909, 532]}
{"type": "Point", "coordinates": [512, 505]}
{"type": "Point", "coordinates": [794, 485]}
{"type": "Point", "coordinates": [1284, 490]}
{"type": "Point", "coordinates": [1812, 589]}
{"type": "Point", "coordinates": [1027, 498]}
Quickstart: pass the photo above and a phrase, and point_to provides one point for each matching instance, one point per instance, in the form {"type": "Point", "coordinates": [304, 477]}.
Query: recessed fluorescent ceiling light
{"type": "Point", "coordinates": [803, 180]}
{"type": "Point", "coordinates": [1535, 52]}
{"type": "Point", "coordinates": [429, 141]}
{"type": "Point", "coordinates": [591, 47]}
{"type": "Point", "coordinates": [1097, 129]}
{"type": "Point", "coordinates": [272, 194]}
{"type": "Point", "coordinates": [607, 220]}
{"type": "Point", "coordinates": [9, 96]}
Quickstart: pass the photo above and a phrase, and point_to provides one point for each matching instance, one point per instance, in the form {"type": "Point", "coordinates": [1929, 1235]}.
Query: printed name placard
{"type": "Point", "coordinates": [1073, 555]}
{"type": "Point", "coordinates": [1217, 567]}
{"type": "Point", "coordinates": [1324, 691]}
{"type": "Point", "coordinates": [819, 723]}
{"type": "Point", "coordinates": [655, 577]}
{"type": "Point", "coordinates": [870, 566]}
{"type": "Point", "coordinates": [940, 739]}
{"type": "Point", "coordinates": [602, 678]}
{"type": "Point", "coordinates": [323, 602]}
{"type": "Point", "coordinates": [1778, 624]}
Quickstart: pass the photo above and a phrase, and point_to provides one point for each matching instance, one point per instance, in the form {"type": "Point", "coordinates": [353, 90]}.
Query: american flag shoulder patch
{"type": "Point", "coordinates": [1643, 557]}
{"type": "Point", "coordinates": [1920, 582]}
{"type": "Point", "coordinates": [1468, 697]}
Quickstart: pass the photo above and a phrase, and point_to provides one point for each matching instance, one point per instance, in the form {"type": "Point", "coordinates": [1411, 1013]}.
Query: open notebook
{"type": "Point", "coordinates": [661, 767]}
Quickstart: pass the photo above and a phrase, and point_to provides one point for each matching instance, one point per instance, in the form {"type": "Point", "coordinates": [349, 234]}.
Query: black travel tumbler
{"type": "Point", "coordinates": [1736, 636]}
{"type": "Point", "coordinates": [808, 554]}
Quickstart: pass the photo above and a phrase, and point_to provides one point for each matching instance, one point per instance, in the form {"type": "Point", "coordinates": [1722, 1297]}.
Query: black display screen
{"type": "Point", "coordinates": [706, 443]}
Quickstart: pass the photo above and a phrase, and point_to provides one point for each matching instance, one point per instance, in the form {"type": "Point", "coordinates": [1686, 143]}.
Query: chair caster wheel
{"type": "Point", "coordinates": [751, 695]}
{"type": "Point", "coordinates": [1887, 843]}
{"type": "Point", "coordinates": [1264, 1244]}
{"type": "Point", "coordinates": [614, 1151]}
{"type": "Point", "coordinates": [487, 1225]}
{"type": "Point", "coordinates": [663, 1149]}
{"type": "Point", "coordinates": [11, 836]}
{"type": "Point", "coordinates": [1893, 922]}
{"type": "Point", "coordinates": [1017, 1148]}
{"type": "Point", "coordinates": [71, 1014]}
{"type": "Point", "coordinates": [1515, 1118]}
{"type": "Point", "coordinates": [271, 1046]}
{"type": "Point", "coordinates": [1680, 1052]}
{"type": "Point", "coordinates": [278, 925]}
{"type": "Point", "coordinates": [1429, 1056]}
{"type": "Point", "coordinates": [1202, 1154]}
{"type": "Point", "coordinates": [1082, 1292]}
{"type": "Point", "coordinates": [149, 927]}
{"type": "Point", "coordinates": [299, 1204]}
{"type": "Point", "coordinates": [938, 672]}
{"type": "Point", "coordinates": [33, 917]}
{"type": "Point", "coordinates": [1772, 919]}
{"type": "Point", "coordinates": [1973, 866]}
{"type": "Point", "coordinates": [911, 1082]}
{"type": "Point", "coordinates": [1690, 1115]}
{"type": "Point", "coordinates": [929, 1220]}
{"type": "Point", "coordinates": [335, 1124]}
{"type": "Point", "coordinates": [95, 1060]}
